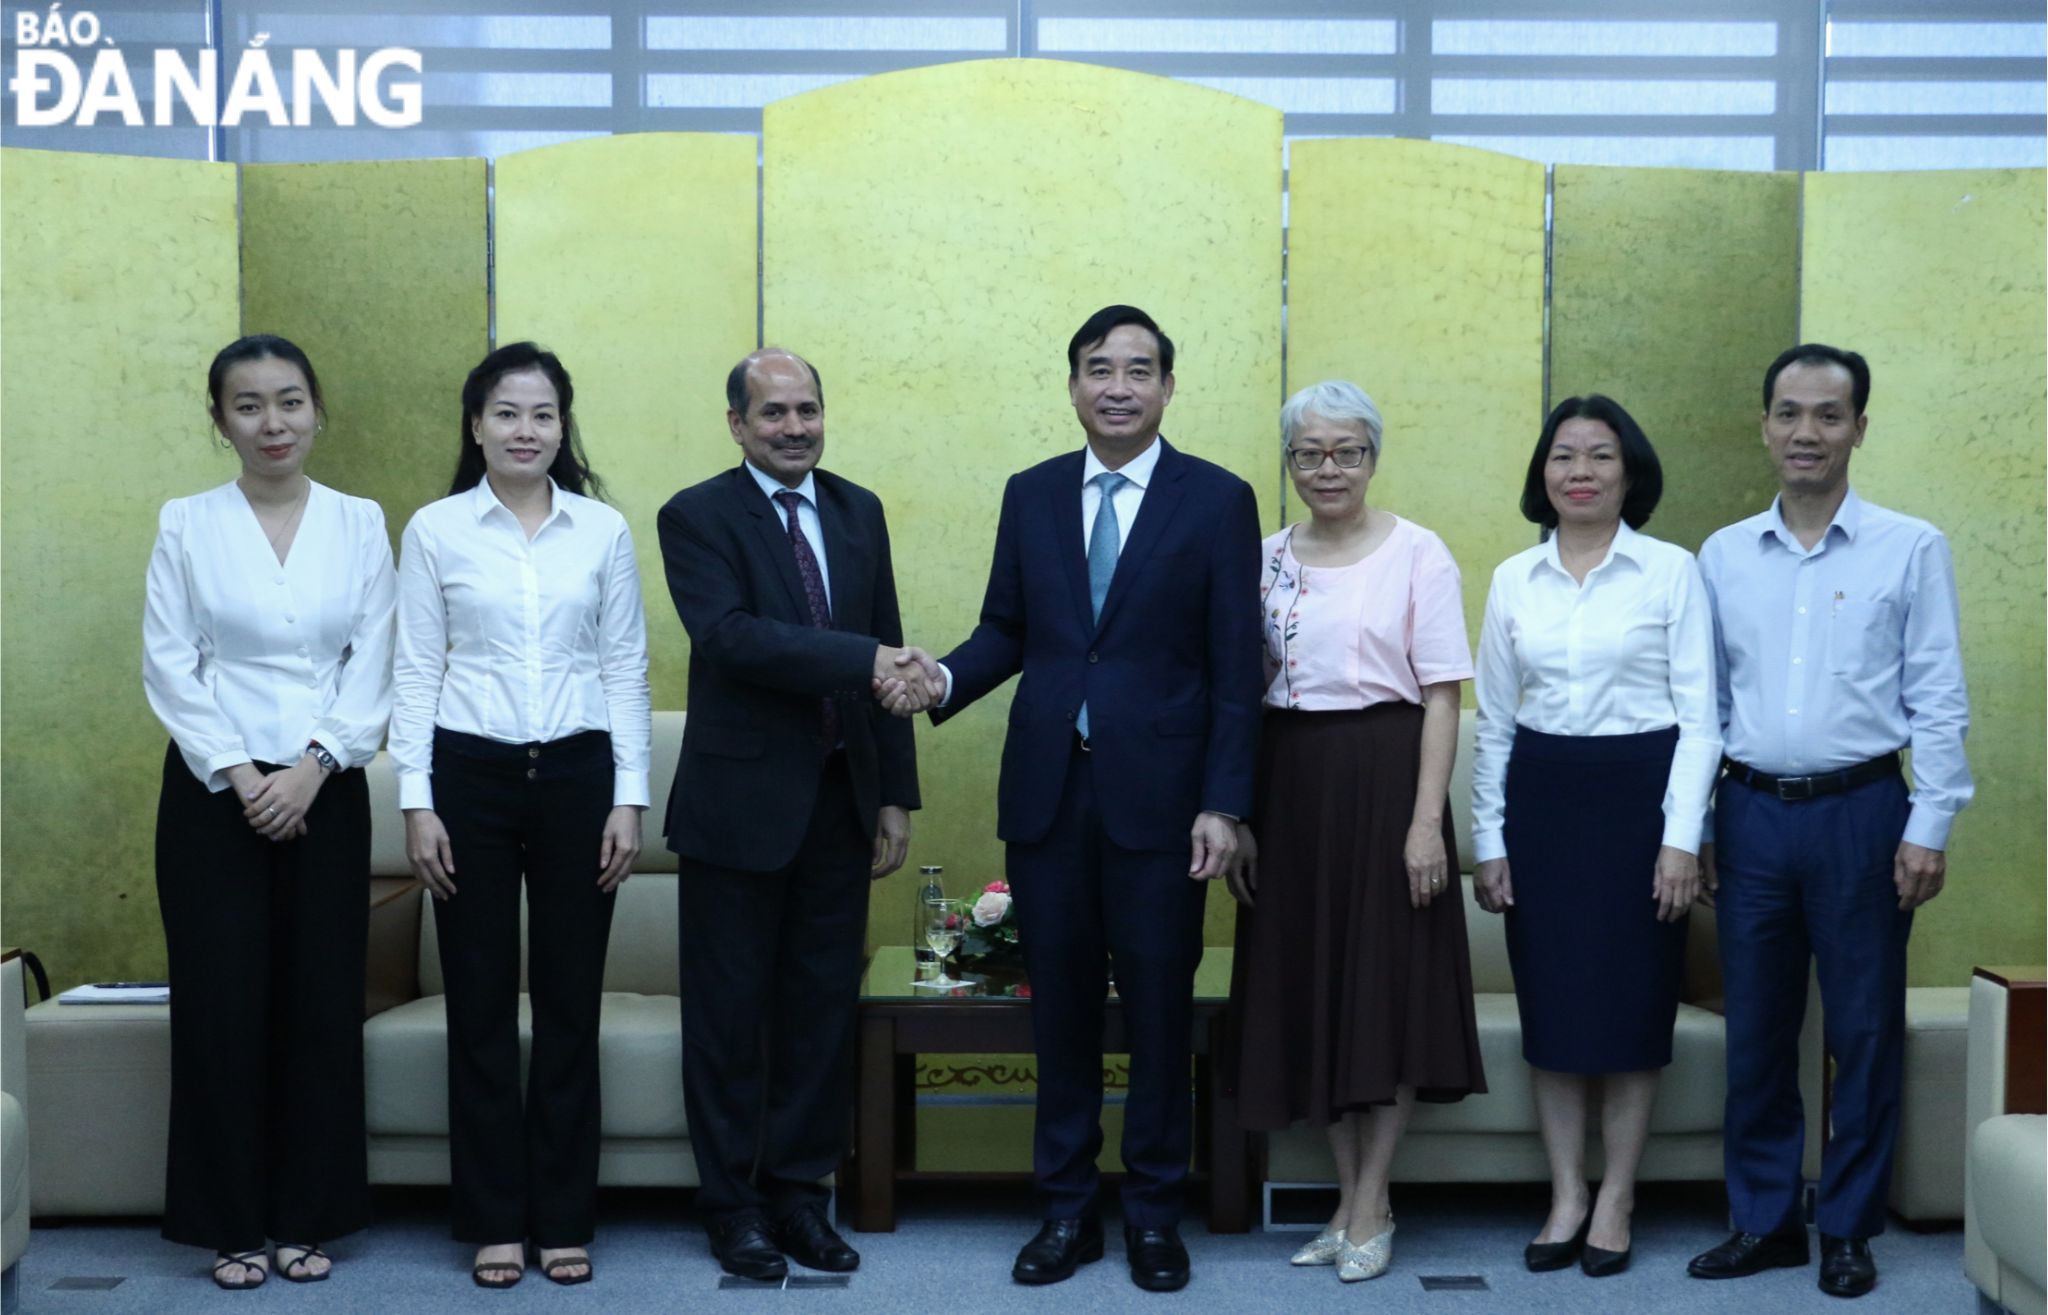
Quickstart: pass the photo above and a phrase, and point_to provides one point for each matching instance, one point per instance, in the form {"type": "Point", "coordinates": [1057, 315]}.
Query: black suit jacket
{"type": "Point", "coordinates": [1173, 673]}
{"type": "Point", "coordinates": [750, 762]}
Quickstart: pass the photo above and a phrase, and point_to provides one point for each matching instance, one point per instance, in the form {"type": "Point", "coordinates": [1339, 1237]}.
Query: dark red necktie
{"type": "Point", "coordinates": [814, 594]}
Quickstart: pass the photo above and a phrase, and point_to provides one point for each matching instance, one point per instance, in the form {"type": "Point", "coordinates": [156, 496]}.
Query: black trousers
{"type": "Point", "coordinates": [770, 978]}
{"type": "Point", "coordinates": [1087, 907]}
{"type": "Point", "coordinates": [523, 1170]}
{"type": "Point", "coordinates": [266, 942]}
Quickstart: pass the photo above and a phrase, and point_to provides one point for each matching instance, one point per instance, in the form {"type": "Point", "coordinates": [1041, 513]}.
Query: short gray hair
{"type": "Point", "coordinates": [1332, 399]}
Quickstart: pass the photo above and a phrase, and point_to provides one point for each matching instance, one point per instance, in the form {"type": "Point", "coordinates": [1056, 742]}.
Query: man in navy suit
{"type": "Point", "coordinates": [792, 792]}
{"type": "Point", "coordinates": [1125, 590]}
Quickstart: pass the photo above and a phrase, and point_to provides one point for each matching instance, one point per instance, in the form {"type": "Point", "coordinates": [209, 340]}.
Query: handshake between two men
{"type": "Point", "coordinates": [907, 681]}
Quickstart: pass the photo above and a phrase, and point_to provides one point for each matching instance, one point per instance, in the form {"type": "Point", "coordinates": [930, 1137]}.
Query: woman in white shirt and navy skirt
{"type": "Point", "coordinates": [267, 631]}
{"type": "Point", "coordinates": [521, 736]}
{"type": "Point", "coordinates": [1598, 741]}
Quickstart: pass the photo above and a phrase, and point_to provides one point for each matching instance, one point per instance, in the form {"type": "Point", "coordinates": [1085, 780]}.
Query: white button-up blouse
{"type": "Point", "coordinates": [1630, 650]}
{"type": "Point", "coordinates": [247, 660]}
{"type": "Point", "coordinates": [517, 640]}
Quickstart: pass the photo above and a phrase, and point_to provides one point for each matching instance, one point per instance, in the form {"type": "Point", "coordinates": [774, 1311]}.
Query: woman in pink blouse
{"type": "Point", "coordinates": [1353, 990]}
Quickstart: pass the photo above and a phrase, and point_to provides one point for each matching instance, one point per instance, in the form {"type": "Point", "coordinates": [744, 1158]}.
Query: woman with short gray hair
{"type": "Point", "coordinates": [1353, 990]}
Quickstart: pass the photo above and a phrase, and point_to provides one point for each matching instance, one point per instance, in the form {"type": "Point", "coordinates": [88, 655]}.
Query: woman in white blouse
{"type": "Point", "coordinates": [267, 656]}
{"type": "Point", "coordinates": [520, 734]}
{"type": "Point", "coordinates": [1598, 741]}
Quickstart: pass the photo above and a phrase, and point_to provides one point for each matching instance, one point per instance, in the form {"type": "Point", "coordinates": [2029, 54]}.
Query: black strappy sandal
{"type": "Point", "coordinates": [248, 1261]}
{"type": "Point", "coordinates": [306, 1253]}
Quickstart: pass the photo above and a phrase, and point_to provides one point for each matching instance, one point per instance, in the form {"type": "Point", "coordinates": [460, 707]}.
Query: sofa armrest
{"type": "Point", "coordinates": [392, 973]}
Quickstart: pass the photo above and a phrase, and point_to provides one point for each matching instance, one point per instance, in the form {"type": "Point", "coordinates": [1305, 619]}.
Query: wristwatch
{"type": "Point", "coordinates": [321, 756]}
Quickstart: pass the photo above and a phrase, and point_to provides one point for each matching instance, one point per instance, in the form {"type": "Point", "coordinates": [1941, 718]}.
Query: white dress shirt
{"type": "Point", "coordinates": [807, 520]}
{"type": "Point", "coordinates": [246, 660]}
{"type": "Point", "coordinates": [1129, 496]}
{"type": "Point", "coordinates": [1631, 650]}
{"type": "Point", "coordinates": [517, 640]}
{"type": "Point", "coordinates": [1834, 656]}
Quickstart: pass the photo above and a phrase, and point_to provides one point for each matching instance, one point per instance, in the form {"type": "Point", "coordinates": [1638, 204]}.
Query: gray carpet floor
{"type": "Point", "coordinates": [951, 1255]}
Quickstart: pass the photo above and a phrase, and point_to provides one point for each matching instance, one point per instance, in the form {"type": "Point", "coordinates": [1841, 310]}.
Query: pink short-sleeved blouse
{"type": "Point", "coordinates": [1376, 631]}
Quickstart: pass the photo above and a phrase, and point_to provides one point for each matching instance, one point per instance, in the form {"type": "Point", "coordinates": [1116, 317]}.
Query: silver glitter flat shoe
{"type": "Point", "coordinates": [1359, 1263]}
{"type": "Point", "coordinates": [1324, 1250]}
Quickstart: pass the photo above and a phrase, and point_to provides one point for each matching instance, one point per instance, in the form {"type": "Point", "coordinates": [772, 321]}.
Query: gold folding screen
{"type": "Point", "coordinates": [633, 259]}
{"type": "Point", "coordinates": [117, 285]}
{"type": "Point", "coordinates": [1937, 278]}
{"type": "Point", "coordinates": [380, 270]}
{"type": "Point", "coordinates": [930, 240]}
{"type": "Point", "coordinates": [1671, 289]}
{"type": "Point", "coordinates": [1415, 270]}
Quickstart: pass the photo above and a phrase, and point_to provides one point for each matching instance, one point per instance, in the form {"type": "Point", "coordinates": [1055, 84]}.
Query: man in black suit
{"type": "Point", "coordinates": [794, 789]}
{"type": "Point", "coordinates": [1125, 590]}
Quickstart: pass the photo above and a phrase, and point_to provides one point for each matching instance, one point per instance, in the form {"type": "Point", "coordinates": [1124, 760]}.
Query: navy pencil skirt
{"type": "Point", "coordinates": [1596, 975]}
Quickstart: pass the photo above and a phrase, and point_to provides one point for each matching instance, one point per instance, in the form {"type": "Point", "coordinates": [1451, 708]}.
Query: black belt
{"type": "Point", "coordinates": [1791, 789]}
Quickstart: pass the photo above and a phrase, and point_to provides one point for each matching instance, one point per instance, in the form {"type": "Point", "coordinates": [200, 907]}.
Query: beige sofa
{"type": "Point", "coordinates": [1493, 1137]}
{"type": "Point", "coordinates": [101, 1075]}
{"type": "Point", "coordinates": [2005, 1210]}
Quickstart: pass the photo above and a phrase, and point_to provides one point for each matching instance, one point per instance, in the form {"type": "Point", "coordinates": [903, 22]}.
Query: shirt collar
{"type": "Point", "coordinates": [483, 500]}
{"type": "Point", "coordinates": [808, 490]}
{"type": "Point", "coordinates": [1138, 470]}
{"type": "Point", "coordinates": [1848, 519]}
{"type": "Point", "coordinates": [1627, 545]}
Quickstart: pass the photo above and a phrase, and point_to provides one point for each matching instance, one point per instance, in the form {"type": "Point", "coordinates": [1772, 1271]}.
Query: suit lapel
{"type": "Point", "coordinates": [773, 539]}
{"type": "Point", "coordinates": [1162, 498]}
{"type": "Point", "coordinates": [1067, 545]}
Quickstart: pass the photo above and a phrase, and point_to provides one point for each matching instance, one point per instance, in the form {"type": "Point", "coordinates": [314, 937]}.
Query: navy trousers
{"type": "Point", "coordinates": [1086, 907]}
{"type": "Point", "coordinates": [1812, 880]}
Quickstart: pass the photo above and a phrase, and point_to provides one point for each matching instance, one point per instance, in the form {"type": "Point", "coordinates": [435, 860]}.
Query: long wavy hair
{"type": "Point", "coordinates": [571, 470]}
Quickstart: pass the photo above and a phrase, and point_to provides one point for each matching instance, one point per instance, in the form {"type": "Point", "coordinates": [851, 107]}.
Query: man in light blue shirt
{"type": "Point", "coordinates": [1836, 647]}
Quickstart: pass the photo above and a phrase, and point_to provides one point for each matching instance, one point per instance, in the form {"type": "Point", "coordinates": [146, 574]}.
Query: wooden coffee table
{"type": "Point", "coordinates": [898, 1023]}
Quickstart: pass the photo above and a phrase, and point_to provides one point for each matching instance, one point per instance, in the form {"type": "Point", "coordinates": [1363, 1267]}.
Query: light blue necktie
{"type": "Point", "coordinates": [1104, 542]}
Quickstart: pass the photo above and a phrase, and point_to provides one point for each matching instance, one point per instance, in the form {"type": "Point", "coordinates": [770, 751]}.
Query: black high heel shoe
{"type": "Point", "coordinates": [1599, 1262]}
{"type": "Point", "coordinates": [1542, 1257]}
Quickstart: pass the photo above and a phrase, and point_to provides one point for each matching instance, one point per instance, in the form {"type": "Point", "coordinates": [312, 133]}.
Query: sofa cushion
{"type": "Point", "coordinates": [405, 1059]}
{"type": "Point", "coordinates": [2009, 1190]}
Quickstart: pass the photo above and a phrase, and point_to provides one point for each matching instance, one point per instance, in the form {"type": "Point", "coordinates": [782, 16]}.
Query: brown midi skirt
{"type": "Point", "coordinates": [1342, 991]}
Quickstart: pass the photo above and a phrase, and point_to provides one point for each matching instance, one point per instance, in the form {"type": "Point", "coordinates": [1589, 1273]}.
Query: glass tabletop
{"type": "Point", "coordinates": [891, 971]}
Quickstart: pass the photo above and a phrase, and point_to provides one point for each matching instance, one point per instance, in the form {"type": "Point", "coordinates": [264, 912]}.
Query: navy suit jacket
{"type": "Point", "coordinates": [1173, 673]}
{"type": "Point", "coordinates": [750, 764]}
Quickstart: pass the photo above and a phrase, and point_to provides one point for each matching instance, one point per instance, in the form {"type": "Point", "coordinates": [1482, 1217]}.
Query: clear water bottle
{"type": "Point", "coordinates": [930, 887]}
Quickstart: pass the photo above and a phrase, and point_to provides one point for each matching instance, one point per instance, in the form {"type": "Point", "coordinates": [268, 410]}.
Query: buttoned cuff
{"type": "Point", "coordinates": [1681, 833]}
{"type": "Point", "coordinates": [629, 789]}
{"type": "Point", "coordinates": [415, 790]}
{"type": "Point", "coordinates": [946, 697]}
{"type": "Point", "coordinates": [1488, 845]}
{"type": "Point", "coordinates": [217, 767]}
{"type": "Point", "coordinates": [1928, 827]}
{"type": "Point", "coordinates": [328, 737]}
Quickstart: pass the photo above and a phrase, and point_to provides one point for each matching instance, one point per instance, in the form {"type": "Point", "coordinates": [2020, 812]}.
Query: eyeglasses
{"type": "Point", "coordinates": [1309, 459]}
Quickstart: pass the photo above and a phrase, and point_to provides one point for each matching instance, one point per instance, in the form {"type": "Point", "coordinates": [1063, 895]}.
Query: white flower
{"type": "Point", "coordinates": [991, 908]}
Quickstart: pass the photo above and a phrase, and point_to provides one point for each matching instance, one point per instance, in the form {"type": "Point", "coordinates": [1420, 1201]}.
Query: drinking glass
{"type": "Point", "coordinates": [943, 927]}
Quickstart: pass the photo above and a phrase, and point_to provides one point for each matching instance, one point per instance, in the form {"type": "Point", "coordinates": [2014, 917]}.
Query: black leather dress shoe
{"type": "Point", "coordinates": [1060, 1246]}
{"type": "Point", "coordinates": [1159, 1263]}
{"type": "Point", "coordinates": [1744, 1254]}
{"type": "Point", "coordinates": [1542, 1257]}
{"type": "Point", "coordinates": [805, 1237]}
{"type": "Point", "coordinates": [1599, 1262]}
{"type": "Point", "coordinates": [741, 1242]}
{"type": "Point", "coordinates": [1846, 1269]}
